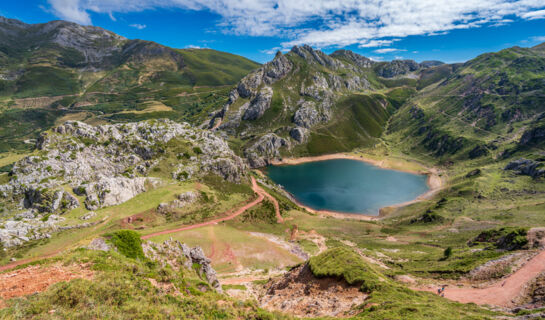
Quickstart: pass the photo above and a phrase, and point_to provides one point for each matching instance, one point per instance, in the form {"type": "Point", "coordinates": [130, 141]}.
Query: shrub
{"type": "Point", "coordinates": [447, 253]}
{"type": "Point", "coordinates": [128, 243]}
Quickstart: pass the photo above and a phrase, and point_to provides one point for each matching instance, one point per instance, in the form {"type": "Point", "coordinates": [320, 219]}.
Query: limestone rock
{"type": "Point", "coordinates": [88, 215]}
{"type": "Point", "coordinates": [45, 200]}
{"type": "Point", "coordinates": [299, 134]}
{"type": "Point", "coordinates": [182, 200]}
{"type": "Point", "coordinates": [179, 255]}
{"type": "Point", "coordinates": [307, 116]}
{"type": "Point", "coordinates": [99, 244]}
{"type": "Point", "coordinates": [113, 191]}
{"type": "Point", "coordinates": [264, 149]}
{"type": "Point", "coordinates": [259, 104]}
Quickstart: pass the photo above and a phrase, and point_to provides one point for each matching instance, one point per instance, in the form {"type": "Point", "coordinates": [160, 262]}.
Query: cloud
{"type": "Point", "coordinates": [191, 46]}
{"type": "Point", "coordinates": [388, 50]}
{"type": "Point", "coordinates": [70, 10]}
{"type": "Point", "coordinates": [323, 23]}
{"type": "Point", "coordinates": [533, 15]}
{"type": "Point", "coordinates": [138, 26]}
{"type": "Point", "coordinates": [376, 43]}
{"type": "Point", "coordinates": [538, 39]}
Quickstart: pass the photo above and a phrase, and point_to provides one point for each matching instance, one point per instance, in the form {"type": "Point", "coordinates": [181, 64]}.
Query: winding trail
{"type": "Point", "coordinates": [501, 293]}
{"type": "Point", "coordinates": [261, 194]}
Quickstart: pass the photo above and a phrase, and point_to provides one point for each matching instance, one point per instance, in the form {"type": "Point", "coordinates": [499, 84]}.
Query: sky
{"type": "Point", "coordinates": [446, 30]}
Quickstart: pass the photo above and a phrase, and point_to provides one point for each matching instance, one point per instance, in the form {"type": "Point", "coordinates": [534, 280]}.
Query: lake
{"type": "Point", "coordinates": [345, 185]}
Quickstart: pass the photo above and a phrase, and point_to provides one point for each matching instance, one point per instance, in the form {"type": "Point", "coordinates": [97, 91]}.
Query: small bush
{"type": "Point", "coordinates": [128, 243]}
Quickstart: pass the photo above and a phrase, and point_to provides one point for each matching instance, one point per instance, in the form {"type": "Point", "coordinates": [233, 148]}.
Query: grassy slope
{"type": "Point", "coordinates": [388, 299]}
{"type": "Point", "coordinates": [122, 289]}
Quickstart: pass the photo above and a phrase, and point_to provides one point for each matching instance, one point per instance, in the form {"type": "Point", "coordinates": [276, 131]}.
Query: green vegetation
{"type": "Point", "coordinates": [388, 299]}
{"type": "Point", "coordinates": [123, 288]}
{"type": "Point", "coordinates": [128, 243]}
{"type": "Point", "coordinates": [346, 264]}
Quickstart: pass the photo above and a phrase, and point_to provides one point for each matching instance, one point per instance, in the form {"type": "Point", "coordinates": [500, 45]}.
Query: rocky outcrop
{"type": "Point", "coordinates": [526, 167]}
{"type": "Point", "coordinates": [178, 255]}
{"type": "Point", "coordinates": [532, 136]}
{"type": "Point", "coordinates": [264, 149]}
{"type": "Point", "coordinates": [317, 89]}
{"type": "Point", "coordinates": [396, 67]}
{"type": "Point", "coordinates": [307, 116]}
{"type": "Point", "coordinates": [110, 157]}
{"type": "Point", "coordinates": [182, 201]}
{"type": "Point", "coordinates": [16, 232]}
{"type": "Point", "coordinates": [353, 57]}
{"type": "Point", "coordinates": [299, 134]}
{"type": "Point", "coordinates": [45, 200]}
{"type": "Point", "coordinates": [248, 85]}
{"type": "Point", "coordinates": [259, 104]}
{"type": "Point", "coordinates": [113, 191]}
{"type": "Point", "coordinates": [315, 56]}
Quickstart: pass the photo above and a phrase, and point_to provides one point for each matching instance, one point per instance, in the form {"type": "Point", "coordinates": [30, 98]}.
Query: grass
{"type": "Point", "coordinates": [386, 298]}
{"type": "Point", "coordinates": [232, 249]}
{"type": "Point", "coordinates": [122, 289]}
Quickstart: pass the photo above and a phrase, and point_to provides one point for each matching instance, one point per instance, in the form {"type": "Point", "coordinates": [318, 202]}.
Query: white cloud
{"type": "Point", "coordinates": [388, 50]}
{"type": "Point", "coordinates": [538, 39]}
{"type": "Point", "coordinates": [138, 26]}
{"type": "Point", "coordinates": [540, 14]}
{"type": "Point", "coordinates": [323, 23]}
{"type": "Point", "coordinates": [377, 43]}
{"type": "Point", "coordinates": [193, 47]}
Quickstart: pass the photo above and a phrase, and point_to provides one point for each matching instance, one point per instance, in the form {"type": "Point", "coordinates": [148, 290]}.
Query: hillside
{"type": "Point", "coordinates": [63, 71]}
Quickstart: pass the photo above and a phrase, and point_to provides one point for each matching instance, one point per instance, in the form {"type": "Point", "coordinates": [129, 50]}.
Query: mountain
{"type": "Point", "coordinates": [61, 69]}
{"type": "Point", "coordinates": [490, 104]}
{"type": "Point", "coordinates": [308, 103]}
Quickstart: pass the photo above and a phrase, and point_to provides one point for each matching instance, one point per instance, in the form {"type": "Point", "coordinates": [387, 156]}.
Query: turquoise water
{"type": "Point", "coordinates": [347, 185]}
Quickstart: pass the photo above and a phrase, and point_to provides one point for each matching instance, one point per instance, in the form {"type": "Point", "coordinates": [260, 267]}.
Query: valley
{"type": "Point", "coordinates": [144, 169]}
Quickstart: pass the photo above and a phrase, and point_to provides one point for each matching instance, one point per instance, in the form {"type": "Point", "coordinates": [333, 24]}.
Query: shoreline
{"type": "Point", "coordinates": [435, 184]}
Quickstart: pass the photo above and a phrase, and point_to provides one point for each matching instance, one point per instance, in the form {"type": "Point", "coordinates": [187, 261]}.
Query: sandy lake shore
{"type": "Point", "coordinates": [435, 183]}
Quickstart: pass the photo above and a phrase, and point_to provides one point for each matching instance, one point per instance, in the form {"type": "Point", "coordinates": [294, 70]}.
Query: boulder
{"type": "Point", "coordinates": [113, 191]}
{"type": "Point", "coordinates": [99, 244]}
{"type": "Point", "coordinates": [299, 134]}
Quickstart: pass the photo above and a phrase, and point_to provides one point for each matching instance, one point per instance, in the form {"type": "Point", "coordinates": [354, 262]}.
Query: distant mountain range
{"type": "Point", "coordinates": [304, 102]}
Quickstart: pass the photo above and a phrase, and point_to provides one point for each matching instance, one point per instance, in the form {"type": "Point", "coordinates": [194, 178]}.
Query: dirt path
{"type": "Point", "coordinates": [502, 293]}
{"type": "Point", "coordinates": [261, 194]}
{"type": "Point", "coordinates": [14, 264]}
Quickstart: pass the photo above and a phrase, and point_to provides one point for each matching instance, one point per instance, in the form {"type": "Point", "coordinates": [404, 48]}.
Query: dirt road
{"type": "Point", "coordinates": [502, 293]}
{"type": "Point", "coordinates": [261, 194]}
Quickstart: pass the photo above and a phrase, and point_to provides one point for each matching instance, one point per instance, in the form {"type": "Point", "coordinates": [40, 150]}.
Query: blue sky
{"type": "Point", "coordinates": [446, 30]}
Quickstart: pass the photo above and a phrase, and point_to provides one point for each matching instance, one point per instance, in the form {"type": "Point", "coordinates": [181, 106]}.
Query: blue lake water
{"type": "Point", "coordinates": [345, 185]}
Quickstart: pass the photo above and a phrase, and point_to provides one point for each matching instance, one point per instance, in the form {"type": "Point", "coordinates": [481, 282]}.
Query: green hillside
{"type": "Point", "coordinates": [66, 71]}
